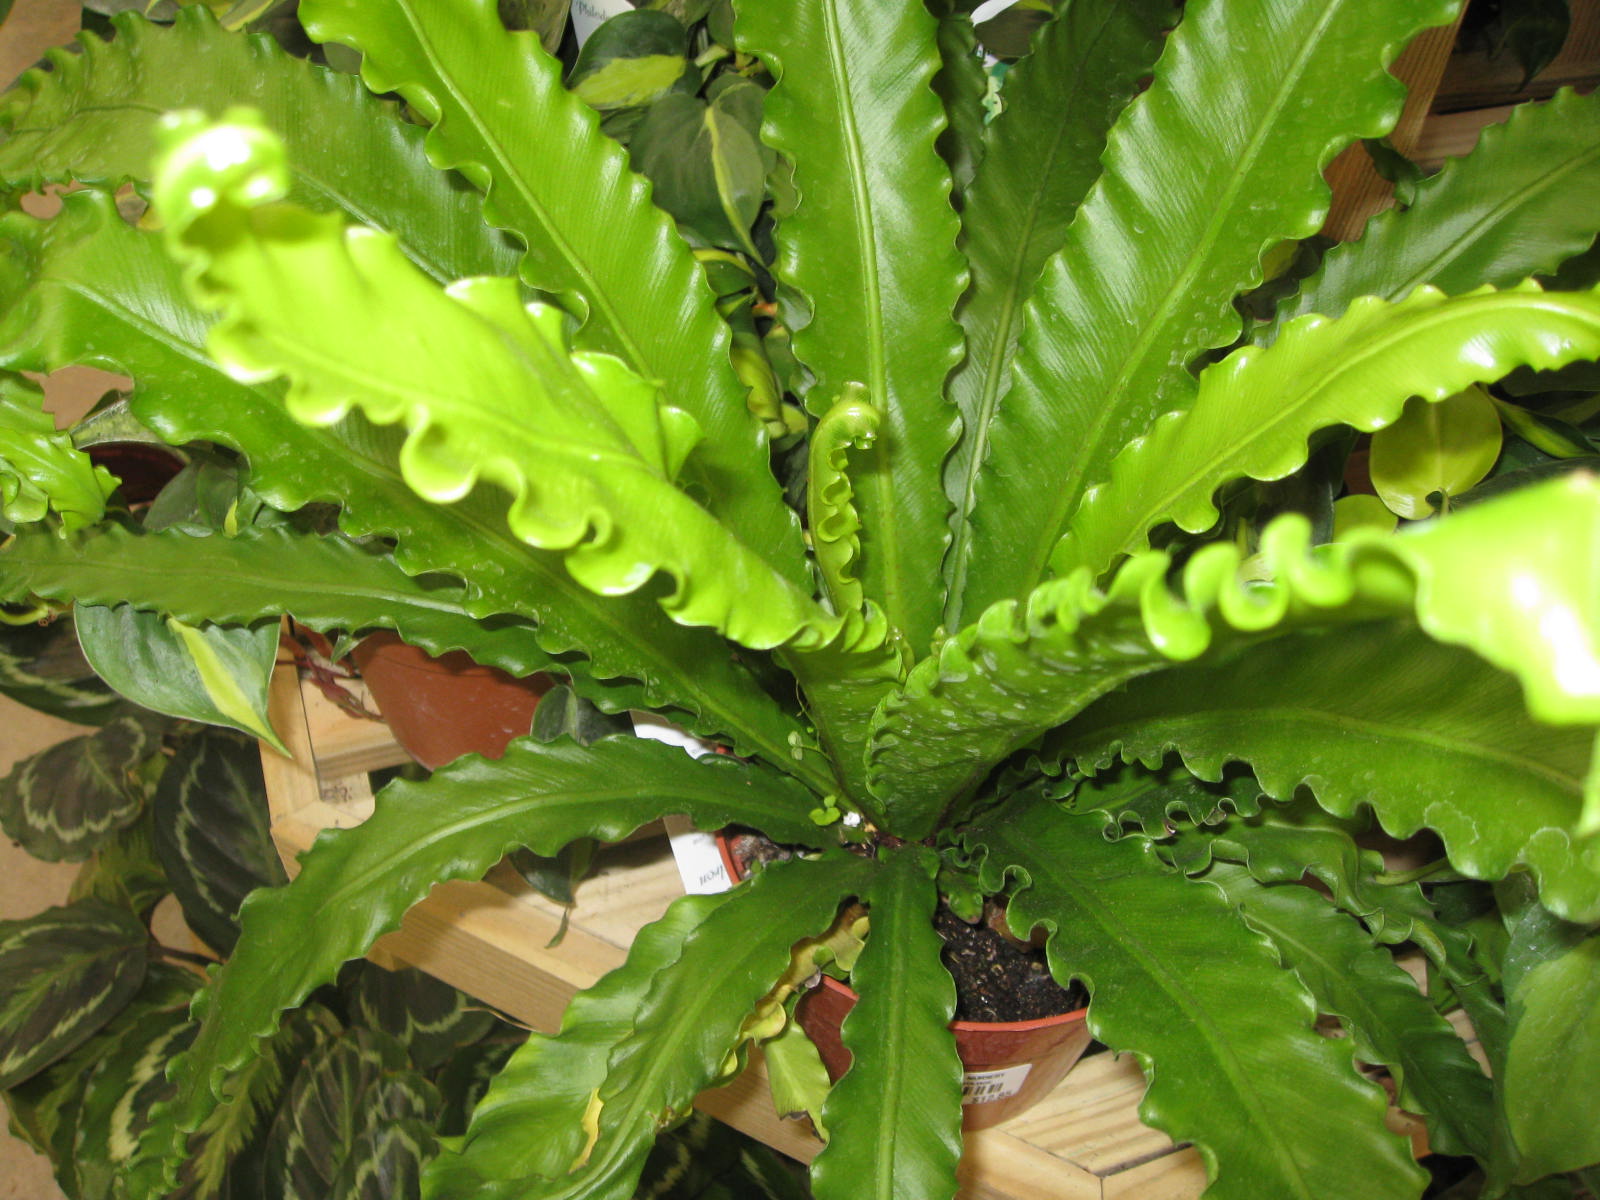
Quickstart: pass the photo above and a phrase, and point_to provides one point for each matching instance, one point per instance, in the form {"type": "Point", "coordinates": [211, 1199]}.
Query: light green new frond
{"type": "Point", "coordinates": [485, 387]}
{"type": "Point", "coordinates": [1256, 408]}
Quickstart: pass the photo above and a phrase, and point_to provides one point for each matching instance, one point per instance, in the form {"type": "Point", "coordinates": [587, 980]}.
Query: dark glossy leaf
{"type": "Point", "coordinates": [631, 60]}
{"type": "Point", "coordinates": [962, 84]}
{"type": "Point", "coordinates": [465, 1078]}
{"type": "Point", "coordinates": [1224, 1034]}
{"type": "Point", "coordinates": [1144, 801]}
{"type": "Point", "coordinates": [354, 1110]}
{"type": "Point", "coordinates": [212, 832]}
{"type": "Point", "coordinates": [547, 18]}
{"type": "Point", "coordinates": [1039, 157]}
{"type": "Point", "coordinates": [684, 1029]}
{"type": "Point", "coordinates": [42, 667]}
{"type": "Point", "coordinates": [63, 975]}
{"type": "Point", "coordinates": [1146, 279]}
{"type": "Point", "coordinates": [214, 674]}
{"type": "Point", "coordinates": [63, 802]}
{"type": "Point", "coordinates": [894, 1120]}
{"type": "Point", "coordinates": [1512, 208]}
{"type": "Point", "coordinates": [706, 163]}
{"type": "Point", "coordinates": [540, 796]}
{"type": "Point", "coordinates": [1376, 716]}
{"type": "Point", "coordinates": [430, 1019]}
{"type": "Point", "coordinates": [1391, 1021]}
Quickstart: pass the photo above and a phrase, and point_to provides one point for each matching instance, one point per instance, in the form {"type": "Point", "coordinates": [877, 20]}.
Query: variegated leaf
{"type": "Point", "coordinates": [212, 831]}
{"type": "Point", "coordinates": [63, 802]}
{"type": "Point", "coordinates": [429, 1018]}
{"type": "Point", "coordinates": [63, 975]}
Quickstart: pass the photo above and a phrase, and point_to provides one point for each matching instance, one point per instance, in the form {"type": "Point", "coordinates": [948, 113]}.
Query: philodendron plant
{"type": "Point", "coordinates": [901, 473]}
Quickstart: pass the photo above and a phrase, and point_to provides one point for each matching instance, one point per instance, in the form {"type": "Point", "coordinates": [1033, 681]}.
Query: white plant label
{"type": "Point", "coordinates": [700, 864]}
{"type": "Point", "coordinates": [982, 1087]}
{"type": "Point", "coordinates": [589, 15]}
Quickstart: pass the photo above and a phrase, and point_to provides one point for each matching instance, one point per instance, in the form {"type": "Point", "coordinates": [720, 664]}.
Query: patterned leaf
{"type": "Point", "coordinates": [65, 801]}
{"type": "Point", "coordinates": [1390, 1020]}
{"type": "Point", "coordinates": [1173, 230]}
{"type": "Point", "coordinates": [40, 471]}
{"type": "Point", "coordinates": [429, 1018]}
{"type": "Point", "coordinates": [215, 674]}
{"type": "Point", "coordinates": [1514, 207]}
{"type": "Point", "coordinates": [643, 294]}
{"type": "Point", "coordinates": [353, 1110]}
{"type": "Point", "coordinates": [98, 291]}
{"type": "Point", "coordinates": [91, 118]}
{"type": "Point", "coordinates": [870, 251]}
{"type": "Point", "coordinates": [1039, 157]}
{"type": "Point", "coordinates": [124, 871]}
{"type": "Point", "coordinates": [1255, 409]}
{"type": "Point", "coordinates": [1224, 1034]}
{"type": "Point", "coordinates": [212, 832]}
{"type": "Point", "coordinates": [894, 1120]}
{"type": "Point", "coordinates": [1375, 716]}
{"type": "Point", "coordinates": [539, 795]}
{"type": "Point", "coordinates": [492, 394]}
{"type": "Point", "coordinates": [48, 1107]}
{"type": "Point", "coordinates": [63, 975]}
{"type": "Point", "coordinates": [42, 667]}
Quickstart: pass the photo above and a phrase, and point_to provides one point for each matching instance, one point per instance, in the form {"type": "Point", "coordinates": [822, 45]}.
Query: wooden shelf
{"type": "Point", "coordinates": [491, 940]}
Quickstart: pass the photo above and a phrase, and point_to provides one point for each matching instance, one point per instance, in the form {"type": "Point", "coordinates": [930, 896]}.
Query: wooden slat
{"type": "Point", "coordinates": [1474, 80]}
{"type": "Point", "coordinates": [1358, 189]}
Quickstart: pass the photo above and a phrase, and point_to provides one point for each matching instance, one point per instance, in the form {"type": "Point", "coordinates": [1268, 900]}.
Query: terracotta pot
{"type": "Point", "coordinates": [1010, 1065]}
{"type": "Point", "coordinates": [442, 708]}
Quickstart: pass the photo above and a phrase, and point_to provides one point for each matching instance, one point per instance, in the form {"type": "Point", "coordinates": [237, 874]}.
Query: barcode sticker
{"type": "Point", "coordinates": [699, 860]}
{"type": "Point", "coordinates": [981, 1087]}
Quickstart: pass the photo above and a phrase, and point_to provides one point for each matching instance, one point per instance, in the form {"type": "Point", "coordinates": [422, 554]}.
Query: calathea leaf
{"type": "Point", "coordinates": [91, 119]}
{"type": "Point", "coordinates": [631, 60]}
{"type": "Point", "coordinates": [1512, 208]}
{"type": "Point", "coordinates": [1039, 157]}
{"type": "Point", "coordinates": [1224, 1034]}
{"type": "Point", "coordinates": [65, 801]}
{"type": "Point", "coordinates": [1174, 229]}
{"type": "Point", "coordinates": [103, 292]}
{"type": "Point", "coordinates": [63, 975]}
{"type": "Point", "coordinates": [124, 871]}
{"type": "Point", "coordinates": [40, 471]}
{"type": "Point", "coordinates": [42, 667]}
{"type": "Point", "coordinates": [617, 527]}
{"type": "Point", "coordinates": [212, 831]}
{"type": "Point", "coordinates": [539, 795]}
{"type": "Point", "coordinates": [635, 280]}
{"type": "Point", "coordinates": [1379, 716]}
{"type": "Point", "coordinates": [1256, 408]}
{"type": "Point", "coordinates": [689, 1020]}
{"type": "Point", "coordinates": [429, 1018]}
{"type": "Point", "coordinates": [1390, 1020]}
{"type": "Point", "coordinates": [550, 1082]}
{"type": "Point", "coordinates": [328, 1137]}
{"type": "Point", "coordinates": [870, 250]}
{"type": "Point", "coordinates": [48, 1107]}
{"type": "Point", "coordinates": [894, 1120]}
{"type": "Point", "coordinates": [210, 673]}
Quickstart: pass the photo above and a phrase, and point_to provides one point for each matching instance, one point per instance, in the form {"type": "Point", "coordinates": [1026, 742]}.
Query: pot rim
{"type": "Point", "coordinates": [829, 982]}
